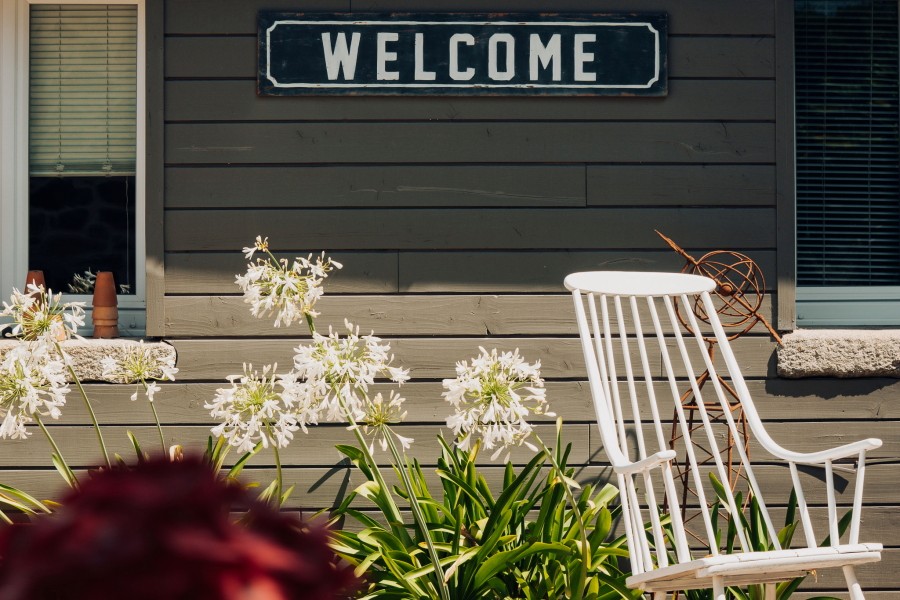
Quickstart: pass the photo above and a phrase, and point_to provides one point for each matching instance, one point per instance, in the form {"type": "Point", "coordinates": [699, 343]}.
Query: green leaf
{"type": "Point", "coordinates": [139, 453]}
{"type": "Point", "coordinates": [63, 469]}
{"type": "Point", "coordinates": [267, 494]}
{"type": "Point", "coordinates": [286, 494]}
{"type": "Point", "coordinates": [236, 469]}
{"type": "Point", "coordinates": [502, 560]}
{"type": "Point", "coordinates": [24, 497]}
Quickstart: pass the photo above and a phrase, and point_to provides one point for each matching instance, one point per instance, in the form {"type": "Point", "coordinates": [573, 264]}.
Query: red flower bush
{"type": "Point", "coordinates": [165, 531]}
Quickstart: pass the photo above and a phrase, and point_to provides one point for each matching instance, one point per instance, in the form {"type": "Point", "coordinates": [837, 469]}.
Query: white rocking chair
{"type": "Point", "coordinates": [638, 329]}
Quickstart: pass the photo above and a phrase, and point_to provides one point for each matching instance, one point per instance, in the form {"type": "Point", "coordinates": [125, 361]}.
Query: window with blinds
{"type": "Point", "coordinates": [83, 89]}
{"type": "Point", "coordinates": [82, 142]}
{"type": "Point", "coordinates": [847, 151]}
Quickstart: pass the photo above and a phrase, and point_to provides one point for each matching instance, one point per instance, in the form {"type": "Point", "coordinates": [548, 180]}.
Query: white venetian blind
{"type": "Point", "coordinates": [848, 150]}
{"type": "Point", "coordinates": [83, 89]}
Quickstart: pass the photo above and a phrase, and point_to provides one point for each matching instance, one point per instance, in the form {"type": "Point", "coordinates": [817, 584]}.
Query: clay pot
{"type": "Point", "coordinates": [35, 277]}
{"type": "Point", "coordinates": [106, 312]}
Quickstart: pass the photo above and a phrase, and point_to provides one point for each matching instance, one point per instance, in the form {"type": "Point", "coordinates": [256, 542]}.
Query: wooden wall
{"type": "Point", "coordinates": [457, 219]}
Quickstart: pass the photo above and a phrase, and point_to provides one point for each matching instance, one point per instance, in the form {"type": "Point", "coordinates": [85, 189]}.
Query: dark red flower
{"type": "Point", "coordinates": [165, 531]}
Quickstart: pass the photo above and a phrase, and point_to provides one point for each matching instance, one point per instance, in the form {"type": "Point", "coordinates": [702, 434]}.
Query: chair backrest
{"type": "Point", "coordinates": [641, 359]}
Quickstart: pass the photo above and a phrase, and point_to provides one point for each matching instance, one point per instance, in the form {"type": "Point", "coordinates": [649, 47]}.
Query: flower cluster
{"type": "Point", "coordinates": [32, 383]}
{"type": "Point", "coordinates": [289, 290]}
{"type": "Point", "coordinates": [380, 412]}
{"type": "Point", "coordinates": [489, 403]}
{"type": "Point", "coordinates": [139, 364]}
{"type": "Point", "coordinates": [253, 411]}
{"type": "Point", "coordinates": [41, 315]}
{"type": "Point", "coordinates": [337, 372]}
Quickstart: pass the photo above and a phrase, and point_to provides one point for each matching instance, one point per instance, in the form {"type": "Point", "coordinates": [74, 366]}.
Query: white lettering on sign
{"type": "Point", "coordinates": [545, 55]}
{"type": "Point", "coordinates": [455, 40]}
{"type": "Point", "coordinates": [493, 70]}
{"type": "Point", "coordinates": [339, 58]}
{"type": "Point", "coordinates": [383, 56]}
{"type": "Point", "coordinates": [582, 57]}
{"type": "Point", "coordinates": [421, 73]}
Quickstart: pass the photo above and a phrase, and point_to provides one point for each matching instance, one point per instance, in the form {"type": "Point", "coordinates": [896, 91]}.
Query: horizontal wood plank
{"type": "Point", "coordinates": [810, 436]}
{"type": "Point", "coordinates": [686, 185]}
{"type": "Point", "coordinates": [315, 449]}
{"type": "Point", "coordinates": [466, 229]}
{"type": "Point", "coordinates": [727, 17]}
{"type": "Point", "coordinates": [704, 99]}
{"type": "Point", "coordinates": [777, 400]}
{"type": "Point", "coordinates": [525, 271]}
{"type": "Point", "coordinates": [435, 272]}
{"type": "Point", "coordinates": [320, 487]}
{"type": "Point", "coordinates": [433, 358]}
{"type": "Point", "coordinates": [363, 272]}
{"type": "Point", "coordinates": [202, 316]}
{"type": "Point", "coordinates": [234, 16]}
{"type": "Point", "coordinates": [375, 187]}
{"type": "Point", "coordinates": [489, 142]}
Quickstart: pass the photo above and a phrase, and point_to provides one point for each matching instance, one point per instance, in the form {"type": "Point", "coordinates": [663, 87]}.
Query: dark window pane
{"type": "Point", "coordinates": [78, 224]}
{"type": "Point", "coordinates": [848, 213]}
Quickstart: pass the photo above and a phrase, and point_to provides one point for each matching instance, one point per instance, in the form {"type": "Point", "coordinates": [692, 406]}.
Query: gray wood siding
{"type": "Point", "coordinates": [456, 220]}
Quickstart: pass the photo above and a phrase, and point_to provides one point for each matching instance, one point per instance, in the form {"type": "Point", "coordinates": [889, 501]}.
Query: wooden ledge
{"type": "Point", "coordinates": [87, 354]}
{"type": "Point", "coordinates": [843, 353]}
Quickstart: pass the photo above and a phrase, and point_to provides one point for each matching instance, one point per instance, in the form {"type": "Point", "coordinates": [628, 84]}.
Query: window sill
{"type": "Point", "coordinates": [842, 353]}
{"type": "Point", "coordinates": [86, 354]}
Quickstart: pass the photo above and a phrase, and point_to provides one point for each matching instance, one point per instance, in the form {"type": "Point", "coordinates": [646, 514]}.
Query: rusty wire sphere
{"type": "Point", "coordinates": [739, 291]}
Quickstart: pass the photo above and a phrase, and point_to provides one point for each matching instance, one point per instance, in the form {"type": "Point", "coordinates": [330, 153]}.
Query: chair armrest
{"type": "Point", "coordinates": [851, 449]}
{"type": "Point", "coordinates": [654, 460]}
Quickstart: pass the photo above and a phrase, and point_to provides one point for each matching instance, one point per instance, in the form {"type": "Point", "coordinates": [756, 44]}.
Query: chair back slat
{"type": "Point", "coordinates": [613, 378]}
{"type": "Point", "coordinates": [629, 379]}
{"type": "Point", "coordinates": [808, 532]}
{"type": "Point", "coordinates": [725, 406]}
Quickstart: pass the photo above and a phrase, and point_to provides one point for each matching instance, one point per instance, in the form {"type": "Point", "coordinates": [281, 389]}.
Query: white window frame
{"type": "Point", "coordinates": [14, 73]}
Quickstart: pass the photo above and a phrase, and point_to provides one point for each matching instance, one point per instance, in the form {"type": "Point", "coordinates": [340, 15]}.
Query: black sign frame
{"type": "Point", "coordinates": [625, 53]}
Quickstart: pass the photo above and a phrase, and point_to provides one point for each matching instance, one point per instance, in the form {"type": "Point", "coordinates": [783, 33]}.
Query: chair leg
{"type": "Point", "coordinates": [719, 588]}
{"type": "Point", "coordinates": [853, 587]}
{"type": "Point", "coordinates": [770, 591]}
{"type": "Point", "coordinates": [659, 596]}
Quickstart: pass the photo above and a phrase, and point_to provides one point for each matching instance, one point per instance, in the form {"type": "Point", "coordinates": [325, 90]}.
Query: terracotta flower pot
{"type": "Point", "coordinates": [106, 312]}
{"type": "Point", "coordinates": [105, 290]}
{"type": "Point", "coordinates": [35, 277]}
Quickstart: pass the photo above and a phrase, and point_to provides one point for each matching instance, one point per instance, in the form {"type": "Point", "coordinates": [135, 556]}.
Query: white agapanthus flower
{"type": "Point", "coordinates": [40, 315]}
{"type": "Point", "coordinates": [253, 411]}
{"type": "Point", "coordinates": [380, 413]}
{"type": "Point", "coordinates": [32, 382]}
{"type": "Point", "coordinates": [334, 372]}
{"type": "Point", "coordinates": [493, 398]}
{"type": "Point", "coordinates": [139, 364]}
{"type": "Point", "coordinates": [289, 290]}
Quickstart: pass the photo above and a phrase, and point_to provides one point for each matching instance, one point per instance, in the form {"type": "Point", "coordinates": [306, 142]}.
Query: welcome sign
{"type": "Point", "coordinates": [462, 54]}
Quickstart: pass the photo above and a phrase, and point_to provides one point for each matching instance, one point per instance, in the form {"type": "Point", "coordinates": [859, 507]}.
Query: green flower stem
{"type": "Point", "coordinates": [312, 325]}
{"type": "Point", "coordinates": [417, 512]}
{"type": "Point", "coordinates": [585, 546]}
{"type": "Point", "coordinates": [379, 479]}
{"type": "Point", "coordinates": [56, 449]}
{"type": "Point", "coordinates": [87, 403]}
{"type": "Point", "coordinates": [162, 439]}
{"type": "Point", "coordinates": [279, 485]}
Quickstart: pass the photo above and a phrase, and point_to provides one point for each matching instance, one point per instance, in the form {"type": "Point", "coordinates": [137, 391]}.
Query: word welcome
{"type": "Point", "coordinates": [551, 54]}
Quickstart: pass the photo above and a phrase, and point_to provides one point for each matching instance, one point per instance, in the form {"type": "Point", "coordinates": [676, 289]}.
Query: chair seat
{"type": "Point", "coordinates": [753, 567]}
